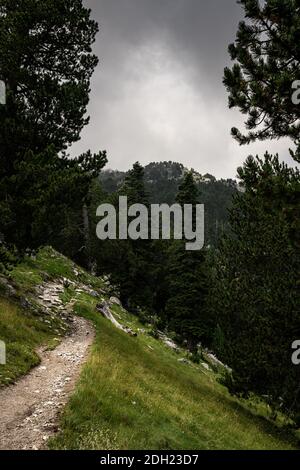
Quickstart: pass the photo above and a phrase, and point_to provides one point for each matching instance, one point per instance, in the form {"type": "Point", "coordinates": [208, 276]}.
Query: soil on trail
{"type": "Point", "coordinates": [30, 408]}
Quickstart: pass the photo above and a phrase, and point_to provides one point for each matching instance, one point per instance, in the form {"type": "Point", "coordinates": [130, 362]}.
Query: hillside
{"type": "Point", "coordinates": [162, 181]}
{"type": "Point", "coordinates": [134, 392]}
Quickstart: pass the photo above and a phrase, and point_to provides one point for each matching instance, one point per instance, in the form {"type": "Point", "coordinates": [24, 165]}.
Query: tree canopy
{"type": "Point", "coordinates": [267, 59]}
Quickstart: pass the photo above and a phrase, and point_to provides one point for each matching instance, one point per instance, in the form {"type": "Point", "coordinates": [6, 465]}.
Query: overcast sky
{"type": "Point", "coordinates": [157, 93]}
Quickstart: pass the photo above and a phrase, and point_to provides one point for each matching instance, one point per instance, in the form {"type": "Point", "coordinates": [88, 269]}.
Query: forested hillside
{"type": "Point", "coordinates": [162, 180]}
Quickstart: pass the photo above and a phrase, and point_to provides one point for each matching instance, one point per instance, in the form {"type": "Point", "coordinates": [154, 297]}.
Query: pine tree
{"type": "Point", "coordinates": [130, 262]}
{"type": "Point", "coordinates": [188, 192]}
{"type": "Point", "coordinates": [254, 291]}
{"type": "Point", "coordinates": [185, 308]}
{"type": "Point", "coordinates": [46, 63]}
{"type": "Point", "coordinates": [137, 282]}
{"type": "Point", "coordinates": [134, 186]}
{"type": "Point", "coordinates": [267, 59]}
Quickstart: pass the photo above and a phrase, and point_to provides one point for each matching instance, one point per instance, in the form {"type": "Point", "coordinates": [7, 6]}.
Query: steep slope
{"type": "Point", "coordinates": [133, 392]}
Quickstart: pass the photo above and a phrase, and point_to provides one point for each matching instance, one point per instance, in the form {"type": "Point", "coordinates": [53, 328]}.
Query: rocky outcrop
{"type": "Point", "coordinates": [104, 309]}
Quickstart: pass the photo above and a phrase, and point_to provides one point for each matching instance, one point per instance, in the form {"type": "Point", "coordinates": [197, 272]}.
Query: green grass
{"type": "Point", "coordinates": [22, 333]}
{"type": "Point", "coordinates": [133, 397]}
{"type": "Point", "coordinates": [132, 393]}
{"type": "Point", "coordinates": [49, 264]}
{"type": "Point", "coordinates": [25, 329]}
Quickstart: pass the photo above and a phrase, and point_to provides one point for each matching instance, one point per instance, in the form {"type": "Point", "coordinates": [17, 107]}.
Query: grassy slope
{"type": "Point", "coordinates": [25, 328]}
{"type": "Point", "coordinates": [22, 333]}
{"type": "Point", "coordinates": [134, 397]}
{"type": "Point", "coordinates": [133, 393]}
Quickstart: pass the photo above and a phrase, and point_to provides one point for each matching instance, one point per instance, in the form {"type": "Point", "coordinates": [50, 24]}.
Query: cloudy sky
{"type": "Point", "coordinates": [157, 93]}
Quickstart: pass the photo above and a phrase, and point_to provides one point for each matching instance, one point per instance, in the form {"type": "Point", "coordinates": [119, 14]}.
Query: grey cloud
{"type": "Point", "coordinates": [157, 93]}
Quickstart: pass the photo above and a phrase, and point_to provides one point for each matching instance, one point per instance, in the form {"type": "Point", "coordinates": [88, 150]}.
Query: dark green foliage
{"type": "Point", "coordinates": [255, 284]}
{"type": "Point", "coordinates": [255, 276]}
{"type": "Point", "coordinates": [185, 307]}
{"type": "Point", "coordinates": [266, 55]}
{"type": "Point", "coordinates": [134, 257]}
{"type": "Point", "coordinates": [8, 257]}
{"type": "Point", "coordinates": [217, 197]}
{"type": "Point", "coordinates": [134, 186]}
{"type": "Point", "coordinates": [129, 263]}
{"type": "Point", "coordinates": [162, 181]}
{"type": "Point", "coordinates": [157, 276]}
{"type": "Point", "coordinates": [44, 198]}
{"type": "Point", "coordinates": [46, 62]}
{"type": "Point", "coordinates": [188, 192]}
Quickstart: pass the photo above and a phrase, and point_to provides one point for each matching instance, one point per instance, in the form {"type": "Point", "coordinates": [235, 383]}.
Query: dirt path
{"type": "Point", "coordinates": [29, 409]}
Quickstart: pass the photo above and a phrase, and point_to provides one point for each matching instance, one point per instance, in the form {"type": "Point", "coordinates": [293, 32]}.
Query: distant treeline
{"type": "Point", "coordinates": [162, 180]}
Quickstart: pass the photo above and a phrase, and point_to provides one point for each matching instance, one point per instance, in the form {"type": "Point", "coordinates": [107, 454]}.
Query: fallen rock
{"type": "Point", "coordinates": [168, 341]}
{"type": "Point", "coordinates": [10, 290]}
{"type": "Point", "coordinates": [183, 360]}
{"type": "Point", "coordinates": [215, 361]}
{"type": "Point", "coordinates": [104, 309]}
{"type": "Point", "coordinates": [116, 301]}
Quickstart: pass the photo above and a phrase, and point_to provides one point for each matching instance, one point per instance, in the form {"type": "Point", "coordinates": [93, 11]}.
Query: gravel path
{"type": "Point", "coordinates": [29, 409]}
